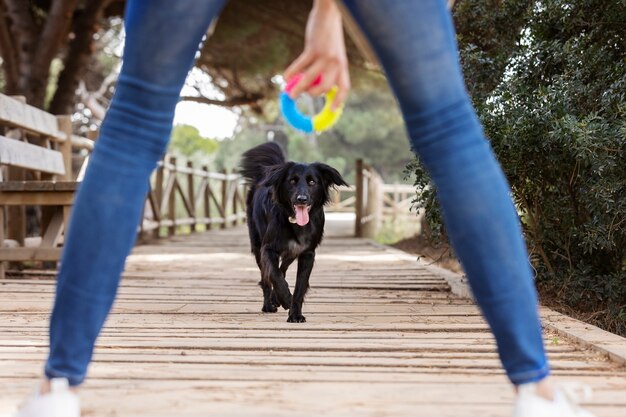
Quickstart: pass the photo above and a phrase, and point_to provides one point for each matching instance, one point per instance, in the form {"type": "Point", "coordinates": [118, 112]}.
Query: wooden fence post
{"type": "Point", "coordinates": [171, 230]}
{"type": "Point", "coordinates": [2, 264]}
{"type": "Point", "coordinates": [158, 196]}
{"type": "Point", "coordinates": [396, 203]}
{"type": "Point", "coordinates": [374, 204]}
{"type": "Point", "coordinates": [358, 203]}
{"type": "Point", "coordinates": [235, 202]}
{"type": "Point", "coordinates": [207, 199]}
{"type": "Point", "coordinates": [224, 201]}
{"type": "Point", "coordinates": [16, 215]}
{"type": "Point", "coordinates": [192, 196]}
{"type": "Point", "coordinates": [65, 125]}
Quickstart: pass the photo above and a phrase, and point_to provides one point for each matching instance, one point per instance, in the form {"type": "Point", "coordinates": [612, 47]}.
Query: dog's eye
{"type": "Point", "coordinates": [311, 182]}
{"type": "Point", "coordinates": [293, 181]}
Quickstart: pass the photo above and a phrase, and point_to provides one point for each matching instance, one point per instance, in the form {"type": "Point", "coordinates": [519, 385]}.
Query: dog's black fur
{"type": "Point", "coordinates": [275, 208]}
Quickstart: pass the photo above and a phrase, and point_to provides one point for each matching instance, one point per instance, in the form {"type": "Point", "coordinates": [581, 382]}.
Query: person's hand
{"type": "Point", "coordinates": [324, 54]}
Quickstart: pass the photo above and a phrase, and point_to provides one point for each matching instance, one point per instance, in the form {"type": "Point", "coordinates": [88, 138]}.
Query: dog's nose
{"type": "Point", "coordinates": [302, 199]}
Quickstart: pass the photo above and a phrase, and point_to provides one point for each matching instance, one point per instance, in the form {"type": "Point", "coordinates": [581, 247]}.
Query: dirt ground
{"type": "Point", "coordinates": [440, 255]}
{"type": "Point", "coordinates": [443, 257]}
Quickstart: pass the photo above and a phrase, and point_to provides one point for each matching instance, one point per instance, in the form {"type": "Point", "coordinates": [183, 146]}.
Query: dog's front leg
{"type": "Point", "coordinates": [305, 266]}
{"type": "Point", "coordinates": [284, 265]}
{"type": "Point", "coordinates": [269, 262]}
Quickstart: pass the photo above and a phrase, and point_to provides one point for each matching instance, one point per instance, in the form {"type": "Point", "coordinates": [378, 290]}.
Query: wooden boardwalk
{"type": "Point", "coordinates": [384, 337]}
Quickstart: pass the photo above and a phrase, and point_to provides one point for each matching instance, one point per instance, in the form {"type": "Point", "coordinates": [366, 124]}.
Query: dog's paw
{"type": "Point", "coordinates": [269, 308]}
{"type": "Point", "coordinates": [296, 318]}
{"type": "Point", "coordinates": [285, 300]}
{"type": "Point", "coordinates": [274, 300]}
{"type": "Point", "coordinates": [287, 304]}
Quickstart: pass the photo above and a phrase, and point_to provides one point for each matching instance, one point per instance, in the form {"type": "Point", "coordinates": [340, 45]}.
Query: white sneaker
{"type": "Point", "coordinates": [59, 402]}
{"type": "Point", "coordinates": [529, 404]}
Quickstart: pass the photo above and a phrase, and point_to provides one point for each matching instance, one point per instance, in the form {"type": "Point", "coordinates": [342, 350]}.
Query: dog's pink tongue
{"type": "Point", "coordinates": [302, 215]}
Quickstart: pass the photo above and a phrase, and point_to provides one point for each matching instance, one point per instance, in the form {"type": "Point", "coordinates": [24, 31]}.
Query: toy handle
{"type": "Point", "coordinates": [293, 81]}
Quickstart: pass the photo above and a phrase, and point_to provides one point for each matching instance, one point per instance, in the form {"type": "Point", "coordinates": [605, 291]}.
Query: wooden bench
{"type": "Point", "coordinates": [36, 157]}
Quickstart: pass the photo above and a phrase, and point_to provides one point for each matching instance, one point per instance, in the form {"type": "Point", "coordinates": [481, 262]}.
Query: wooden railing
{"type": "Point", "coordinates": [371, 200]}
{"type": "Point", "coordinates": [184, 199]}
{"type": "Point", "coordinates": [36, 155]}
{"type": "Point", "coordinates": [37, 181]}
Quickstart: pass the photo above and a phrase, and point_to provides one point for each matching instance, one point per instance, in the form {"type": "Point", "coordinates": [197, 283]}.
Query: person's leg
{"type": "Point", "coordinates": [416, 44]}
{"type": "Point", "coordinates": [162, 37]}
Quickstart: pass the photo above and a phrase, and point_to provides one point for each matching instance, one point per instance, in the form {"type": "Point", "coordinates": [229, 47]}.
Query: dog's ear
{"type": "Point", "coordinates": [330, 176]}
{"type": "Point", "coordinates": [276, 174]}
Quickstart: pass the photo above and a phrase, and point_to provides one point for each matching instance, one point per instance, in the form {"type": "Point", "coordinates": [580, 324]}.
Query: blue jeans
{"type": "Point", "coordinates": [415, 42]}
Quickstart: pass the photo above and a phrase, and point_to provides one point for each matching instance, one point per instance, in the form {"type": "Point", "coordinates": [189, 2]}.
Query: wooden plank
{"type": "Point", "coordinates": [18, 114]}
{"type": "Point", "coordinates": [37, 198]}
{"type": "Point", "coordinates": [66, 185]}
{"type": "Point", "coordinates": [30, 254]}
{"type": "Point", "coordinates": [186, 334]}
{"type": "Point", "coordinates": [79, 142]}
{"type": "Point", "coordinates": [39, 185]}
{"type": "Point", "coordinates": [65, 147]}
{"type": "Point", "coordinates": [25, 155]}
{"type": "Point", "coordinates": [275, 398]}
{"type": "Point", "coordinates": [53, 231]}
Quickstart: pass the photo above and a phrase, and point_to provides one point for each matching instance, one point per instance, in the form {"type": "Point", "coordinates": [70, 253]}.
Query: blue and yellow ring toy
{"type": "Point", "coordinates": [318, 123]}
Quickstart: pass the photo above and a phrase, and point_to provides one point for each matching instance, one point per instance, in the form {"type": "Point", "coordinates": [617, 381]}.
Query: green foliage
{"type": "Point", "coordinates": [392, 231]}
{"type": "Point", "coordinates": [230, 151]}
{"type": "Point", "coordinates": [55, 69]}
{"type": "Point", "coordinates": [186, 142]}
{"type": "Point", "coordinates": [370, 128]}
{"type": "Point", "coordinates": [488, 34]}
{"type": "Point", "coordinates": [556, 122]}
{"type": "Point", "coordinates": [300, 148]}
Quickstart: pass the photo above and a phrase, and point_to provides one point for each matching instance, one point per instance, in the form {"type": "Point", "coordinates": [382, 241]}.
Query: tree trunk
{"type": "Point", "coordinates": [8, 53]}
{"type": "Point", "coordinates": [37, 46]}
{"type": "Point", "coordinates": [50, 41]}
{"type": "Point", "coordinates": [25, 33]}
{"type": "Point", "coordinates": [78, 54]}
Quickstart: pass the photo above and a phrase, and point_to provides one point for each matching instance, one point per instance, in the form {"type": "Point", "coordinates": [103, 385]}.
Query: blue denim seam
{"type": "Point", "coordinates": [530, 376]}
{"type": "Point", "coordinates": [130, 80]}
{"type": "Point", "coordinates": [134, 172]}
{"type": "Point", "coordinates": [74, 380]}
{"type": "Point", "coordinates": [131, 110]}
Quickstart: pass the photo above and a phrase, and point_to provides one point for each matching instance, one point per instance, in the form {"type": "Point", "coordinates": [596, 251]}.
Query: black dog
{"type": "Point", "coordinates": [285, 221]}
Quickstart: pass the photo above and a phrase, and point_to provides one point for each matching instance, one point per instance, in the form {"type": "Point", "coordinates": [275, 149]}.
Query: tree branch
{"type": "Point", "coordinates": [56, 28]}
{"type": "Point", "coordinates": [79, 51]}
{"type": "Point", "coordinates": [34, 81]}
{"type": "Point", "coordinates": [8, 52]}
{"type": "Point", "coordinates": [24, 32]}
{"type": "Point", "coordinates": [91, 101]}
{"type": "Point", "coordinates": [250, 99]}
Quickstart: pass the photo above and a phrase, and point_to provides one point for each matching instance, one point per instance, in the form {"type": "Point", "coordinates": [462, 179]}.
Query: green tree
{"type": "Point", "coordinates": [187, 143]}
{"type": "Point", "coordinates": [370, 128]}
{"type": "Point", "coordinates": [556, 121]}
{"type": "Point", "coordinates": [230, 150]}
{"type": "Point", "coordinates": [35, 34]}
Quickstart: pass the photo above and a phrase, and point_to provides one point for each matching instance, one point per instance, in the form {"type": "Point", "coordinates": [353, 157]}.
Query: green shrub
{"type": "Point", "coordinates": [556, 122]}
